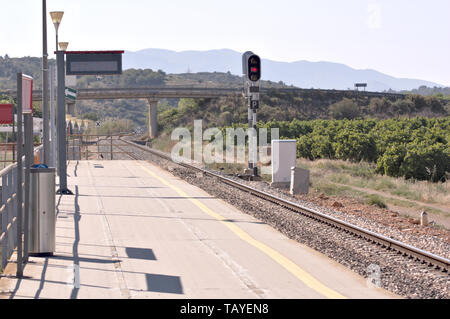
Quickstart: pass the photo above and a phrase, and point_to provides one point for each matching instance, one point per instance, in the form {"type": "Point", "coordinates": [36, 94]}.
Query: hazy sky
{"type": "Point", "coordinates": [403, 38]}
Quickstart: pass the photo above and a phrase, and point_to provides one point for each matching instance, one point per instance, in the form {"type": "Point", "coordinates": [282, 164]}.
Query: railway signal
{"type": "Point", "coordinates": [251, 68]}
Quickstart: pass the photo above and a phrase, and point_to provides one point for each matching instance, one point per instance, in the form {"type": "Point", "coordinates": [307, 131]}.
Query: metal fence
{"type": "Point", "coordinates": [9, 209]}
{"type": "Point", "coordinates": [94, 146]}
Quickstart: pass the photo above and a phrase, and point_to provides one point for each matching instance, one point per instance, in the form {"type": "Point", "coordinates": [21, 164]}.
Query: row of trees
{"type": "Point", "coordinates": [129, 78]}
{"type": "Point", "coordinates": [385, 108]}
{"type": "Point", "coordinates": [284, 106]}
{"type": "Point", "coordinates": [28, 65]}
{"type": "Point", "coordinates": [440, 92]}
{"type": "Point", "coordinates": [413, 148]}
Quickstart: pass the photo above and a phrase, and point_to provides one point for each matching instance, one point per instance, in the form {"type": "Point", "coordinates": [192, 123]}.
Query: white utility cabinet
{"type": "Point", "coordinates": [284, 156]}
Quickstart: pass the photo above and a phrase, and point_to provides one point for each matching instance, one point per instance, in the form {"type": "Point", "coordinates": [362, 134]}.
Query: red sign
{"type": "Point", "coordinates": [27, 94]}
{"type": "Point", "coordinates": [6, 114]}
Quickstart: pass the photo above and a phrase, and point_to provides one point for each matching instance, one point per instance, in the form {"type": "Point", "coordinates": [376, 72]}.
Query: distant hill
{"type": "Point", "coordinates": [130, 77]}
{"type": "Point", "coordinates": [304, 74]}
{"type": "Point", "coordinates": [281, 106]}
{"type": "Point", "coordinates": [9, 67]}
{"type": "Point", "coordinates": [221, 68]}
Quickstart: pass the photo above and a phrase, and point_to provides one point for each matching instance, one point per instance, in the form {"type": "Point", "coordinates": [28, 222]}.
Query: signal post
{"type": "Point", "coordinates": [251, 68]}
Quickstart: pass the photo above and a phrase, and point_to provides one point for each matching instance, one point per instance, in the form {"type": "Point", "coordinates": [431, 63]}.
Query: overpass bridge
{"type": "Point", "coordinates": [167, 92]}
{"type": "Point", "coordinates": [155, 93]}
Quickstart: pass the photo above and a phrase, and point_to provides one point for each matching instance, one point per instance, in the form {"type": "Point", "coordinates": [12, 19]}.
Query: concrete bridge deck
{"type": "Point", "coordinates": [161, 92]}
{"type": "Point", "coordinates": [133, 230]}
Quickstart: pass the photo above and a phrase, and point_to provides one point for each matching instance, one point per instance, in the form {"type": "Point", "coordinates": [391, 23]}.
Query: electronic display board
{"type": "Point", "coordinates": [93, 62]}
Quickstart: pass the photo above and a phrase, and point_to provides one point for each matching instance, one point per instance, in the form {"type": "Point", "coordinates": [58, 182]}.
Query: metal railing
{"type": "Point", "coordinates": [83, 146]}
{"type": "Point", "coordinates": [9, 209]}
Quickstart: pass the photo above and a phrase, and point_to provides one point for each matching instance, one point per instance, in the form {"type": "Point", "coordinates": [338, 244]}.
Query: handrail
{"type": "Point", "coordinates": [8, 168]}
{"type": "Point", "coordinates": [8, 213]}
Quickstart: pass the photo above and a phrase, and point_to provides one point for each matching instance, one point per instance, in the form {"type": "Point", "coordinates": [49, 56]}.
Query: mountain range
{"type": "Point", "coordinates": [304, 74]}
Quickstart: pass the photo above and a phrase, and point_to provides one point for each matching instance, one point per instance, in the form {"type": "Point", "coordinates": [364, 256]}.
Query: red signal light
{"type": "Point", "coordinates": [253, 68]}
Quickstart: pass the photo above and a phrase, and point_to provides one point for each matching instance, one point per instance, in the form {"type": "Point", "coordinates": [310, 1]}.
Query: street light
{"type": "Point", "coordinates": [56, 18]}
{"type": "Point", "coordinates": [61, 112]}
{"type": "Point", "coordinates": [45, 107]}
{"type": "Point", "coordinates": [63, 46]}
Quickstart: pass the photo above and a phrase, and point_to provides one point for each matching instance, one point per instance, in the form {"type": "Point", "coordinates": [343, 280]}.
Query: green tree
{"type": "Point", "coordinates": [391, 161]}
{"type": "Point", "coordinates": [380, 106]}
{"type": "Point", "coordinates": [426, 162]}
{"type": "Point", "coordinates": [91, 116]}
{"type": "Point", "coordinates": [344, 109]}
{"type": "Point", "coordinates": [401, 107]}
{"type": "Point", "coordinates": [304, 146]}
{"type": "Point", "coordinates": [355, 146]}
{"type": "Point", "coordinates": [322, 147]}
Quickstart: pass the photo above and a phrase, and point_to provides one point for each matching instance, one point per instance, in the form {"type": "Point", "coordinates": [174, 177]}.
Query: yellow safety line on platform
{"type": "Point", "coordinates": [289, 265]}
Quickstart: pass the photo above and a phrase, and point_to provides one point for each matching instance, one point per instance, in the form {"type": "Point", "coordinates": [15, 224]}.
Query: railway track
{"type": "Point", "coordinates": [401, 248]}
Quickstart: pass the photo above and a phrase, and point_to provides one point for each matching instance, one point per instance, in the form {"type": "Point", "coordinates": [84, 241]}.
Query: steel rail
{"type": "Point", "coordinates": [386, 242]}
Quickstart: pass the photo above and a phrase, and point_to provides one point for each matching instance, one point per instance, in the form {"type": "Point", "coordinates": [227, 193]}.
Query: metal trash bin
{"type": "Point", "coordinates": [43, 212]}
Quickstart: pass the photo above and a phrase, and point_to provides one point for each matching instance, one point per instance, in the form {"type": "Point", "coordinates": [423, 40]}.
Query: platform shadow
{"type": "Point", "coordinates": [164, 284]}
{"type": "Point", "coordinates": [140, 253]}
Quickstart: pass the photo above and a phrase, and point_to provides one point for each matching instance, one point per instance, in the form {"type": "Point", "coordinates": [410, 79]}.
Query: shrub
{"type": "Point", "coordinates": [376, 201]}
{"type": "Point", "coordinates": [415, 148]}
{"type": "Point", "coordinates": [355, 147]}
{"type": "Point", "coordinates": [391, 161]}
{"type": "Point", "coordinates": [90, 116]}
{"type": "Point", "coordinates": [378, 106]}
{"type": "Point", "coordinates": [345, 109]}
{"type": "Point", "coordinates": [322, 147]}
{"type": "Point", "coordinates": [401, 107]}
{"type": "Point", "coordinates": [426, 162]}
{"type": "Point", "coordinates": [304, 145]}
{"type": "Point", "coordinates": [419, 101]}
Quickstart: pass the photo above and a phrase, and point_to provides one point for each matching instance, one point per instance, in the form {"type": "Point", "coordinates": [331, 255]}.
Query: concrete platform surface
{"type": "Point", "coordinates": [133, 230]}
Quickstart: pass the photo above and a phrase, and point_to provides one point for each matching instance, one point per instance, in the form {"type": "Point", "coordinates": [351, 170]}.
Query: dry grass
{"type": "Point", "coordinates": [355, 180]}
{"type": "Point", "coordinates": [362, 175]}
{"type": "Point", "coordinates": [163, 143]}
{"type": "Point", "coordinates": [358, 181]}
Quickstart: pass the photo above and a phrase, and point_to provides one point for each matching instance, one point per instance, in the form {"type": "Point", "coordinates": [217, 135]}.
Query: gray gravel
{"type": "Point", "coordinates": [429, 243]}
{"type": "Point", "coordinates": [400, 275]}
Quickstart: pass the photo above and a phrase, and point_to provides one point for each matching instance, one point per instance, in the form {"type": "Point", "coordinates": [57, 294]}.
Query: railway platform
{"type": "Point", "coordinates": [134, 230]}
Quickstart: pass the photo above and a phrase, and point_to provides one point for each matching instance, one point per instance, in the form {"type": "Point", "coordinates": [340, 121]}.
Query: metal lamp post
{"type": "Point", "coordinates": [45, 106]}
{"type": "Point", "coordinates": [56, 18]}
{"type": "Point", "coordinates": [61, 107]}
{"type": "Point", "coordinates": [63, 46]}
{"type": "Point", "coordinates": [61, 124]}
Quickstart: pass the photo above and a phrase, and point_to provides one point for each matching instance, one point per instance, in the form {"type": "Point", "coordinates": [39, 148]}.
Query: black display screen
{"type": "Point", "coordinates": [93, 63]}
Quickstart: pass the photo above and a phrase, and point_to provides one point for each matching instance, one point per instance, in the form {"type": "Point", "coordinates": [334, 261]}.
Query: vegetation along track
{"type": "Point", "coordinates": [405, 270]}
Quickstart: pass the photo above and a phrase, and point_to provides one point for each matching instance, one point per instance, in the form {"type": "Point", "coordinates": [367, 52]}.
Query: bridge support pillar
{"type": "Point", "coordinates": [152, 118]}
{"type": "Point", "coordinates": [71, 109]}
